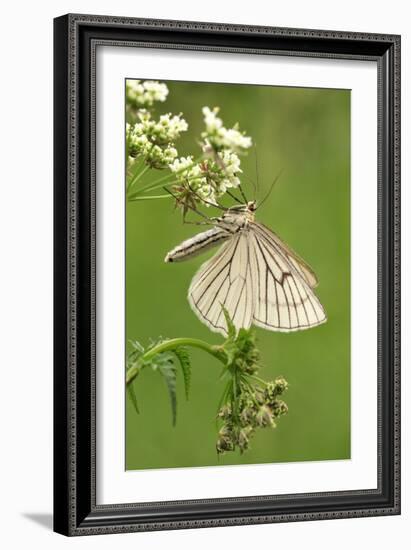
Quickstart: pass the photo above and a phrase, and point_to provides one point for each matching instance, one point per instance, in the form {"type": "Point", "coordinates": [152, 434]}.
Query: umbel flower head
{"type": "Point", "coordinates": [142, 94]}
{"type": "Point", "coordinates": [205, 181]}
{"type": "Point", "coordinates": [155, 139]}
{"type": "Point", "coordinates": [209, 179]}
{"type": "Point", "coordinates": [219, 138]}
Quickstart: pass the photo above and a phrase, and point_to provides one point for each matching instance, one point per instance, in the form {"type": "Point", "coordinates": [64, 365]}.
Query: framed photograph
{"type": "Point", "coordinates": [227, 280]}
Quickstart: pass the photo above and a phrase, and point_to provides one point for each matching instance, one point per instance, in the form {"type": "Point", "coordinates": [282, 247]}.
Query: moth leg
{"type": "Point", "coordinates": [187, 222]}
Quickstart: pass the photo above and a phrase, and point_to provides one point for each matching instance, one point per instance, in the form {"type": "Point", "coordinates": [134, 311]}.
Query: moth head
{"type": "Point", "coordinates": [252, 206]}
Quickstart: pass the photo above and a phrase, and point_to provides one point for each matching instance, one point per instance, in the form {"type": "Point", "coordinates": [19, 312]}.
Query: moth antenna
{"type": "Point", "coordinates": [251, 181]}
{"type": "Point", "coordinates": [233, 197]}
{"type": "Point", "coordinates": [242, 193]}
{"type": "Point", "coordinates": [256, 166]}
{"type": "Point", "coordinates": [269, 191]}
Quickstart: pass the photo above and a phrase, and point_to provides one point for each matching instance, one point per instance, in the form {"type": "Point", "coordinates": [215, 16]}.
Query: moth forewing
{"type": "Point", "coordinates": [224, 280]}
{"type": "Point", "coordinates": [300, 264]}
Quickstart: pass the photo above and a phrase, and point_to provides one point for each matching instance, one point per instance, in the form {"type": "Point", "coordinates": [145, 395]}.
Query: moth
{"type": "Point", "coordinates": [257, 277]}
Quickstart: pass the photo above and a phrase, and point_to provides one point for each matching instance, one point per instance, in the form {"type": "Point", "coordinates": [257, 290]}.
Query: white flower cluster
{"type": "Point", "coordinates": [218, 137]}
{"type": "Point", "coordinates": [141, 94]}
{"type": "Point", "coordinates": [207, 180]}
{"type": "Point", "coordinates": [212, 177]}
{"type": "Point", "coordinates": [154, 139]}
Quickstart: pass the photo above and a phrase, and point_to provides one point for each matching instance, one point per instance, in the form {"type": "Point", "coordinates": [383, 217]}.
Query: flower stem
{"type": "Point", "coordinates": [139, 192]}
{"type": "Point", "coordinates": [258, 379]}
{"type": "Point", "coordinates": [170, 345]}
{"type": "Point", "coordinates": [147, 189]}
{"type": "Point", "coordinates": [148, 197]}
{"type": "Point", "coordinates": [160, 182]}
{"type": "Point", "coordinates": [136, 178]}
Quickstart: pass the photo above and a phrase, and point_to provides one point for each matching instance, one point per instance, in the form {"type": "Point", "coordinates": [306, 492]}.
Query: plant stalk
{"type": "Point", "coordinates": [170, 345]}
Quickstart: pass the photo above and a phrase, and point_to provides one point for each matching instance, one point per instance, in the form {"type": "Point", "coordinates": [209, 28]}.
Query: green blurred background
{"type": "Point", "coordinates": [305, 133]}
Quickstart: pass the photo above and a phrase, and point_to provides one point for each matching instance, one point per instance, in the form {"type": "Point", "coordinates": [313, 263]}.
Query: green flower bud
{"type": "Point", "coordinates": [239, 363]}
{"type": "Point", "coordinates": [251, 368]}
{"type": "Point", "coordinates": [274, 389]}
{"type": "Point", "coordinates": [279, 408]}
{"type": "Point", "coordinates": [244, 438]}
{"type": "Point", "coordinates": [224, 412]}
{"type": "Point", "coordinates": [225, 441]}
{"type": "Point", "coordinates": [260, 396]}
{"type": "Point", "coordinates": [264, 416]}
{"type": "Point", "coordinates": [281, 384]}
{"type": "Point", "coordinates": [247, 415]}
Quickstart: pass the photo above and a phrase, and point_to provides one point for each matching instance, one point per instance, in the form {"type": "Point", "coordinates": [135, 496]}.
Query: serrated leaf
{"type": "Point", "coordinates": [137, 346]}
{"type": "Point", "coordinates": [184, 359]}
{"type": "Point", "coordinates": [136, 352]}
{"type": "Point", "coordinates": [160, 359]}
{"type": "Point", "coordinates": [168, 371]}
{"type": "Point", "coordinates": [231, 331]}
{"type": "Point", "coordinates": [132, 393]}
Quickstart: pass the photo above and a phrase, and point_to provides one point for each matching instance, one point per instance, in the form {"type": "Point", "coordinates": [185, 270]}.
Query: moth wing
{"type": "Point", "coordinates": [284, 298]}
{"type": "Point", "coordinates": [300, 265]}
{"type": "Point", "coordinates": [225, 280]}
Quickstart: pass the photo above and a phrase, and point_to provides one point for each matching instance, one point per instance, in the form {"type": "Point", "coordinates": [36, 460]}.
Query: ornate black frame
{"type": "Point", "coordinates": [76, 38]}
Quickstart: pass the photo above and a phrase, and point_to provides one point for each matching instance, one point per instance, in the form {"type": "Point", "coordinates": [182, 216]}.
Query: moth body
{"type": "Point", "coordinates": [197, 244]}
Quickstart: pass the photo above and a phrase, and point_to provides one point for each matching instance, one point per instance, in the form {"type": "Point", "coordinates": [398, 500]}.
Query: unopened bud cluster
{"type": "Point", "coordinates": [255, 407]}
{"type": "Point", "coordinates": [243, 352]}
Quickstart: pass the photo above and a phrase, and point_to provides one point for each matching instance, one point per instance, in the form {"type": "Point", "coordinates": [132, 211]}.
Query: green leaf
{"type": "Point", "coordinates": [132, 393]}
{"type": "Point", "coordinates": [168, 371]}
{"type": "Point", "coordinates": [136, 346]}
{"type": "Point", "coordinates": [231, 331]}
{"type": "Point", "coordinates": [136, 352]}
{"type": "Point", "coordinates": [184, 359]}
{"type": "Point", "coordinates": [230, 350]}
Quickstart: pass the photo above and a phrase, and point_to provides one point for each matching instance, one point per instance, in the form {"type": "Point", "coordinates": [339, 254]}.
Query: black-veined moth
{"type": "Point", "coordinates": [255, 276]}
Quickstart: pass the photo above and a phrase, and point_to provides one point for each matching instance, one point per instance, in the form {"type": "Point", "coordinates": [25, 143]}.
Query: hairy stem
{"type": "Point", "coordinates": [170, 345]}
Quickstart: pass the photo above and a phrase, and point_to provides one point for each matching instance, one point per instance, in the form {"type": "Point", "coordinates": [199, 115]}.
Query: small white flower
{"type": "Point", "coordinates": [154, 140]}
{"type": "Point", "coordinates": [233, 139]}
{"type": "Point", "coordinates": [196, 171]}
{"type": "Point", "coordinates": [144, 94]}
{"type": "Point", "coordinates": [211, 120]}
{"type": "Point", "coordinates": [169, 154]}
{"type": "Point", "coordinates": [160, 157]}
{"type": "Point", "coordinates": [170, 127]}
{"type": "Point", "coordinates": [234, 181]}
{"type": "Point", "coordinates": [157, 90]}
{"type": "Point", "coordinates": [207, 193]}
{"type": "Point", "coordinates": [216, 137]}
{"type": "Point", "coordinates": [230, 162]}
{"type": "Point", "coordinates": [181, 164]}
